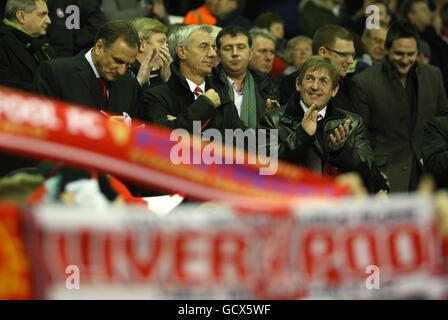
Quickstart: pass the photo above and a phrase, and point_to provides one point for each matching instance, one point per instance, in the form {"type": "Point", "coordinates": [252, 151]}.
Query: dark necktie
{"type": "Point", "coordinates": [103, 85]}
{"type": "Point", "coordinates": [197, 91]}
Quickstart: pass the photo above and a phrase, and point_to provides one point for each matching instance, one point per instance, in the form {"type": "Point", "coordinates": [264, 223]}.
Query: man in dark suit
{"type": "Point", "coordinates": [98, 78]}
{"type": "Point", "coordinates": [189, 95]}
{"type": "Point", "coordinates": [396, 98]}
{"type": "Point", "coordinates": [22, 47]}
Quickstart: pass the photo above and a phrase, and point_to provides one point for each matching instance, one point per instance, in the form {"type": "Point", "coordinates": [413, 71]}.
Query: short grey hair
{"type": "Point", "coordinates": [259, 32]}
{"type": "Point", "coordinates": [291, 44]}
{"type": "Point", "coordinates": [12, 6]}
{"type": "Point", "coordinates": [182, 36]}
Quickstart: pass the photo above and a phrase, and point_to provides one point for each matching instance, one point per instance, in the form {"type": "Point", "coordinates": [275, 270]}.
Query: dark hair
{"type": "Point", "coordinates": [112, 30]}
{"type": "Point", "coordinates": [233, 31]}
{"type": "Point", "coordinates": [401, 29]}
{"type": "Point", "coordinates": [384, 3]}
{"type": "Point", "coordinates": [408, 7]}
{"type": "Point", "coordinates": [326, 36]}
{"type": "Point", "coordinates": [265, 20]}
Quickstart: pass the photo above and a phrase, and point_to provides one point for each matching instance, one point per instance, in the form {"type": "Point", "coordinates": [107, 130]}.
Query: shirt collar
{"type": "Point", "coordinates": [193, 85]}
{"type": "Point", "coordinates": [89, 59]}
{"type": "Point", "coordinates": [322, 112]}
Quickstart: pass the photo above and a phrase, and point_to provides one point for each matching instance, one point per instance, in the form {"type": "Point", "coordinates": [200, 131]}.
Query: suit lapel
{"type": "Point", "coordinates": [89, 79]}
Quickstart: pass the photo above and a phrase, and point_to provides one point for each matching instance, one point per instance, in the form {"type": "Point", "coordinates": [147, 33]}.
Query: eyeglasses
{"type": "Point", "coordinates": [345, 55]}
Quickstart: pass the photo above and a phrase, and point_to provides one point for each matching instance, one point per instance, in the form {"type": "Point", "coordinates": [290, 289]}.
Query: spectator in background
{"type": "Point", "coordinates": [130, 9]}
{"type": "Point", "coordinates": [263, 45]}
{"type": "Point", "coordinates": [298, 50]}
{"type": "Point", "coordinates": [205, 14]}
{"type": "Point", "coordinates": [424, 52]}
{"type": "Point", "coordinates": [68, 42]}
{"type": "Point", "coordinates": [374, 41]}
{"type": "Point", "coordinates": [275, 25]}
{"type": "Point", "coordinates": [152, 34]}
{"type": "Point", "coordinates": [231, 14]}
{"type": "Point", "coordinates": [215, 31]}
{"type": "Point", "coordinates": [396, 98]}
{"type": "Point", "coordinates": [417, 12]}
{"type": "Point", "coordinates": [22, 46]}
{"type": "Point", "coordinates": [357, 22]}
{"type": "Point", "coordinates": [314, 14]}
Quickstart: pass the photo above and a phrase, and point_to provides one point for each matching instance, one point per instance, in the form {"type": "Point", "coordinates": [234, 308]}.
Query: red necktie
{"type": "Point", "coordinates": [197, 91]}
{"type": "Point", "coordinates": [104, 90]}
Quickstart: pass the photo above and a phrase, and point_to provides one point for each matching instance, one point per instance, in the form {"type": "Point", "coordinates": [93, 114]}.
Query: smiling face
{"type": "Point", "coordinates": [316, 86]}
{"type": "Point", "coordinates": [198, 59]}
{"type": "Point", "coordinates": [113, 61]}
{"type": "Point", "coordinates": [341, 54]}
{"type": "Point", "coordinates": [403, 54]}
{"type": "Point", "coordinates": [235, 54]}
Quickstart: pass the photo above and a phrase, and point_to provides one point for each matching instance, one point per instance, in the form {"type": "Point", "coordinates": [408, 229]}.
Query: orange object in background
{"type": "Point", "coordinates": [201, 15]}
{"type": "Point", "coordinates": [15, 274]}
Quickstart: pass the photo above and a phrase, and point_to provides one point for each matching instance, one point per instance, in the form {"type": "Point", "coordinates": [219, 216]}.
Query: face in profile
{"type": "Point", "coordinates": [199, 56]}
{"type": "Point", "coordinates": [403, 54]}
{"type": "Point", "coordinates": [37, 21]}
{"type": "Point", "coordinates": [316, 87]}
{"type": "Point", "coordinates": [113, 61]}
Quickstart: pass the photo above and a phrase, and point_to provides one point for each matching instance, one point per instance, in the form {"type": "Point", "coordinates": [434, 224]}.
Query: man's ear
{"type": "Point", "coordinates": [322, 51]}
{"type": "Point", "coordinates": [21, 16]}
{"type": "Point", "coordinates": [297, 85]}
{"type": "Point", "coordinates": [99, 47]}
{"type": "Point", "coordinates": [142, 45]}
{"type": "Point", "coordinates": [335, 91]}
{"type": "Point", "coordinates": [180, 51]}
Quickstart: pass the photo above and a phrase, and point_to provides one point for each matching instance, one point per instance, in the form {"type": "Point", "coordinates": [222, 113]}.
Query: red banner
{"type": "Point", "coordinates": [55, 130]}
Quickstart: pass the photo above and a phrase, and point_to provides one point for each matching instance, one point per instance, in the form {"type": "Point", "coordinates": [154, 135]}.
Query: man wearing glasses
{"type": "Point", "coordinates": [336, 43]}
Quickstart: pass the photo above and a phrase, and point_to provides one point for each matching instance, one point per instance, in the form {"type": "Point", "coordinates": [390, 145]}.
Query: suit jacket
{"type": "Point", "coordinates": [73, 80]}
{"type": "Point", "coordinates": [175, 98]}
{"type": "Point", "coordinates": [435, 150]}
{"type": "Point", "coordinates": [381, 100]}
{"type": "Point", "coordinates": [17, 65]}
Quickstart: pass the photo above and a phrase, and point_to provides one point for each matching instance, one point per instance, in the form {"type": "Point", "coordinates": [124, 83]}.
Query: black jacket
{"type": "Point", "coordinates": [18, 65]}
{"type": "Point", "coordinates": [73, 80]}
{"type": "Point", "coordinates": [68, 42]}
{"type": "Point", "coordinates": [294, 143]}
{"type": "Point", "coordinates": [435, 150]}
{"type": "Point", "coordinates": [174, 98]}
